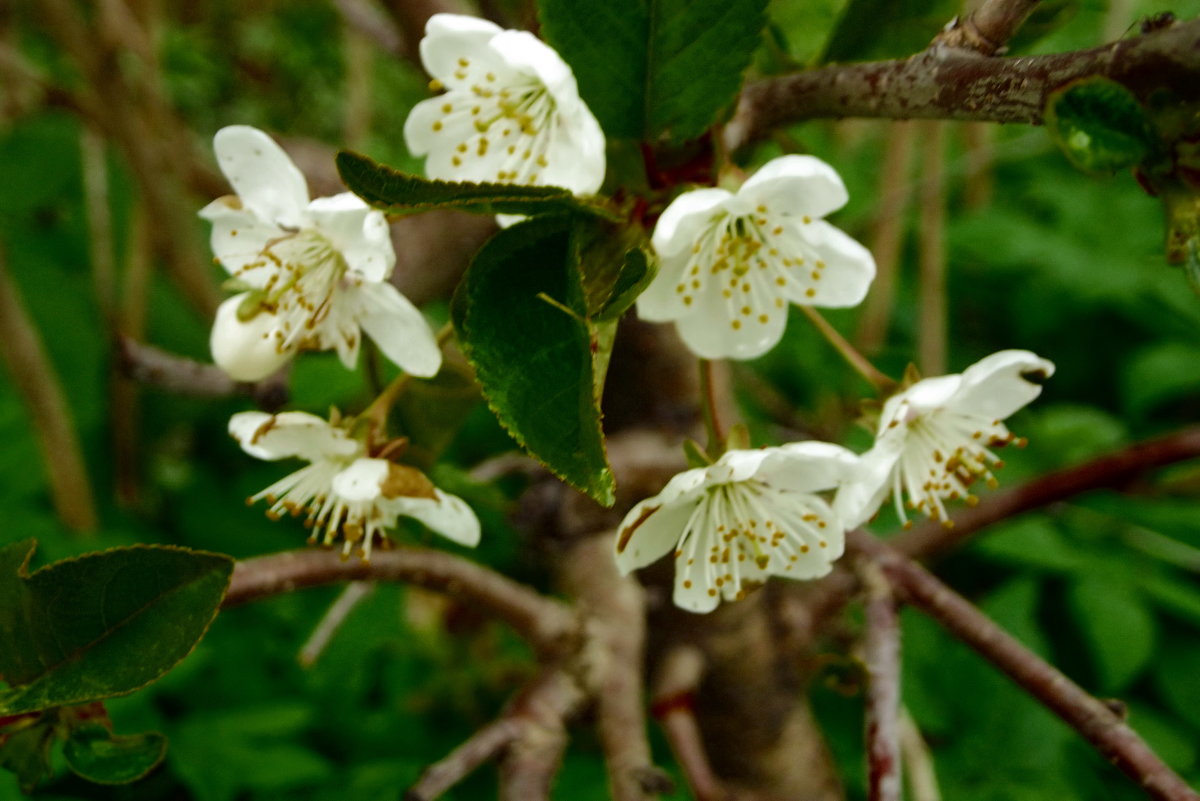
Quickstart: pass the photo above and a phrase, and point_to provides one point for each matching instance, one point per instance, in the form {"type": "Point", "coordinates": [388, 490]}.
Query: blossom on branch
{"type": "Point", "coordinates": [510, 113]}
{"type": "Point", "coordinates": [311, 275]}
{"type": "Point", "coordinates": [731, 525]}
{"type": "Point", "coordinates": [937, 438]}
{"type": "Point", "coordinates": [729, 264]}
{"type": "Point", "coordinates": [344, 490]}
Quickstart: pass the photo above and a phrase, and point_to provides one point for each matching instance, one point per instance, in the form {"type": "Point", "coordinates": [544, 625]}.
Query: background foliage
{"type": "Point", "coordinates": [1055, 261]}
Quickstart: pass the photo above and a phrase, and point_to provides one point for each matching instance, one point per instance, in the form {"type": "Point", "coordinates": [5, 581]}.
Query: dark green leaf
{"type": "Point", "coordinates": [648, 67]}
{"type": "Point", "coordinates": [1117, 626]}
{"type": "Point", "coordinates": [400, 193]}
{"type": "Point", "coordinates": [101, 625]}
{"type": "Point", "coordinates": [26, 753]}
{"type": "Point", "coordinates": [1099, 125]}
{"type": "Point", "coordinates": [520, 316]}
{"type": "Point", "coordinates": [1159, 373]}
{"type": "Point", "coordinates": [1175, 670]}
{"type": "Point", "coordinates": [911, 25]}
{"type": "Point", "coordinates": [100, 756]}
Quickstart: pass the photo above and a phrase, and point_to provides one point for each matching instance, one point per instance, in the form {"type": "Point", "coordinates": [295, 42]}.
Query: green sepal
{"type": "Point", "coordinates": [696, 455]}
{"type": "Point", "coordinates": [103, 624]}
{"type": "Point", "coordinates": [738, 438]}
{"type": "Point", "coordinates": [521, 318]}
{"type": "Point", "coordinates": [1099, 125]}
{"type": "Point", "coordinates": [98, 755]}
{"type": "Point", "coordinates": [396, 192]}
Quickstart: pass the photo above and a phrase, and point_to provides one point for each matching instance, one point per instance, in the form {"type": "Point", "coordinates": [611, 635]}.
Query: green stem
{"type": "Point", "coordinates": [708, 405]}
{"type": "Point", "coordinates": [880, 381]}
{"type": "Point", "coordinates": [377, 412]}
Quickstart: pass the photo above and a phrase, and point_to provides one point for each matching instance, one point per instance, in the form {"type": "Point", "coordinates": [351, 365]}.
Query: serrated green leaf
{"type": "Point", "coordinates": [101, 625]}
{"type": "Point", "coordinates": [397, 192]}
{"type": "Point", "coordinates": [520, 316]}
{"type": "Point", "coordinates": [649, 67]}
{"type": "Point", "coordinates": [100, 756]}
{"type": "Point", "coordinates": [1099, 125]}
{"type": "Point", "coordinates": [1118, 627]}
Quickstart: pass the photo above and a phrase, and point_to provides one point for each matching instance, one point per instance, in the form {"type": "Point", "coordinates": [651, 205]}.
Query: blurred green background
{"type": "Point", "coordinates": [1039, 256]}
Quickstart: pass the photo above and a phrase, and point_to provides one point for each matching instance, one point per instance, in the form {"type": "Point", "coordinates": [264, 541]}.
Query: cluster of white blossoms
{"type": "Point", "coordinates": [729, 264]}
{"type": "Point", "coordinates": [310, 275]}
{"type": "Point", "coordinates": [767, 512]}
{"type": "Point", "coordinates": [345, 491]}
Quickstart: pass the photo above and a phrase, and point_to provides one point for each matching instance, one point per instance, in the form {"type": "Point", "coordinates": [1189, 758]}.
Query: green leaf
{"type": "Point", "coordinates": [520, 316]}
{"type": "Point", "coordinates": [25, 752]}
{"type": "Point", "coordinates": [1160, 373]}
{"type": "Point", "coordinates": [1099, 125]}
{"type": "Point", "coordinates": [101, 625]}
{"type": "Point", "coordinates": [396, 192]}
{"type": "Point", "coordinates": [911, 25]}
{"type": "Point", "coordinates": [649, 67]}
{"type": "Point", "coordinates": [1175, 670]}
{"type": "Point", "coordinates": [1118, 627]}
{"type": "Point", "coordinates": [100, 756]}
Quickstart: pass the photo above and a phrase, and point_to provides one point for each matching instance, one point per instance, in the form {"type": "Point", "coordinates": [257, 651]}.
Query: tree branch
{"type": "Point", "coordinates": [546, 623]}
{"type": "Point", "coordinates": [987, 28]}
{"type": "Point", "coordinates": [1102, 727]}
{"type": "Point", "coordinates": [881, 654]}
{"type": "Point", "coordinates": [533, 757]}
{"type": "Point", "coordinates": [1112, 470]}
{"type": "Point", "coordinates": [679, 674]}
{"type": "Point", "coordinates": [482, 746]}
{"type": "Point", "coordinates": [157, 368]}
{"type": "Point", "coordinates": [952, 83]}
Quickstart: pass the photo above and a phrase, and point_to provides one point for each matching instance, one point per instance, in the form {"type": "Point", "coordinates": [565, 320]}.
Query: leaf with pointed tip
{"type": "Point", "coordinates": [103, 624]}
{"type": "Point", "coordinates": [521, 319]}
{"type": "Point", "coordinates": [100, 756]}
{"type": "Point", "coordinates": [396, 192]}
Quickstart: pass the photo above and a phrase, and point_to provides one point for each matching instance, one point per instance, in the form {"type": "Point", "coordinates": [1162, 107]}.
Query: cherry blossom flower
{"type": "Point", "coordinates": [344, 491]}
{"type": "Point", "coordinates": [311, 274]}
{"type": "Point", "coordinates": [731, 525]}
{"type": "Point", "coordinates": [937, 438]}
{"type": "Point", "coordinates": [510, 113]}
{"type": "Point", "coordinates": [729, 264]}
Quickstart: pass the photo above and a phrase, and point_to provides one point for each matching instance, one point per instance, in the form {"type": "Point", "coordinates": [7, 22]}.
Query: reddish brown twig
{"type": "Point", "coordinates": [987, 28]}
{"type": "Point", "coordinates": [1095, 721]}
{"type": "Point", "coordinates": [545, 623]}
{"type": "Point", "coordinates": [678, 679]}
{"type": "Point", "coordinates": [479, 748]}
{"type": "Point", "coordinates": [881, 655]}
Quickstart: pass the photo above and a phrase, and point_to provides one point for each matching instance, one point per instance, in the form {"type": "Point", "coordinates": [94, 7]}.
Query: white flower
{"type": "Point", "coordinates": [729, 264]}
{"type": "Point", "coordinates": [936, 438]}
{"type": "Point", "coordinates": [313, 273]}
{"type": "Point", "coordinates": [511, 112]}
{"type": "Point", "coordinates": [751, 515]}
{"type": "Point", "coordinates": [344, 490]}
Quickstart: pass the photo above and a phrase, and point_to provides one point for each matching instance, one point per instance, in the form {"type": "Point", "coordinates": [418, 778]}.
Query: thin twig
{"type": "Point", "coordinates": [36, 382]}
{"type": "Point", "coordinates": [918, 762]}
{"type": "Point", "coordinates": [532, 759]}
{"type": "Point", "coordinates": [546, 623]}
{"type": "Point", "coordinates": [180, 375]}
{"type": "Point", "coordinates": [459, 763]}
{"type": "Point", "coordinates": [354, 593]}
{"type": "Point", "coordinates": [1093, 719]}
{"type": "Point", "coordinates": [950, 83]}
{"type": "Point", "coordinates": [882, 384]}
{"type": "Point", "coordinates": [987, 28]}
{"type": "Point", "coordinates": [1109, 471]}
{"type": "Point", "coordinates": [931, 288]}
{"type": "Point", "coordinates": [881, 655]}
{"type": "Point", "coordinates": [678, 678]}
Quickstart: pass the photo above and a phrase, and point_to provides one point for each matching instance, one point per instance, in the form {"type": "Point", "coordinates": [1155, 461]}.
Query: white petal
{"type": "Point", "coordinates": [924, 396]}
{"type": "Point", "coordinates": [848, 272]}
{"type": "Point", "coordinates": [247, 351]}
{"type": "Point", "coordinates": [449, 37]}
{"type": "Point", "coordinates": [737, 465]}
{"type": "Point", "coordinates": [995, 387]}
{"type": "Point", "coordinates": [692, 592]}
{"type": "Point", "coordinates": [808, 466]}
{"type": "Point", "coordinates": [359, 232]}
{"type": "Point", "coordinates": [576, 158]}
{"type": "Point", "coordinates": [397, 327]}
{"type": "Point", "coordinates": [238, 239]}
{"type": "Point", "coordinates": [680, 226]}
{"type": "Point", "coordinates": [860, 498]}
{"type": "Point", "coordinates": [262, 175]}
{"type": "Point", "coordinates": [659, 302]}
{"type": "Point", "coordinates": [650, 530]}
{"type": "Point", "coordinates": [448, 515]}
{"type": "Point", "coordinates": [361, 481]}
{"type": "Point", "coordinates": [280, 436]}
{"type": "Point", "coordinates": [717, 329]}
{"type": "Point", "coordinates": [419, 135]}
{"type": "Point", "coordinates": [796, 185]}
{"type": "Point", "coordinates": [527, 54]}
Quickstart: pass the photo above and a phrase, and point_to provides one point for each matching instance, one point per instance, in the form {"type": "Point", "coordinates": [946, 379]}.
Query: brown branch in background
{"type": "Point", "coordinates": [918, 762]}
{"type": "Point", "coordinates": [459, 763]}
{"type": "Point", "coordinates": [949, 83]}
{"type": "Point", "coordinates": [678, 679]}
{"type": "Point", "coordinates": [356, 107]}
{"type": "Point", "coordinates": [180, 375]}
{"type": "Point", "coordinates": [881, 656]}
{"type": "Point", "coordinates": [895, 193]}
{"type": "Point", "coordinates": [354, 593]}
{"type": "Point", "coordinates": [532, 759]}
{"type": "Point", "coordinates": [411, 15]}
{"type": "Point", "coordinates": [988, 27]}
{"type": "Point", "coordinates": [615, 617]}
{"type": "Point", "coordinates": [545, 623]}
{"type": "Point", "coordinates": [38, 385]}
{"type": "Point", "coordinates": [931, 284]}
{"type": "Point", "coordinates": [1110, 471]}
{"type": "Point", "coordinates": [1093, 719]}
{"type": "Point", "coordinates": [367, 19]}
{"type": "Point", "coordinates": [130, 322]}
{"type": "Point", "coordinates": [980, 157]}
